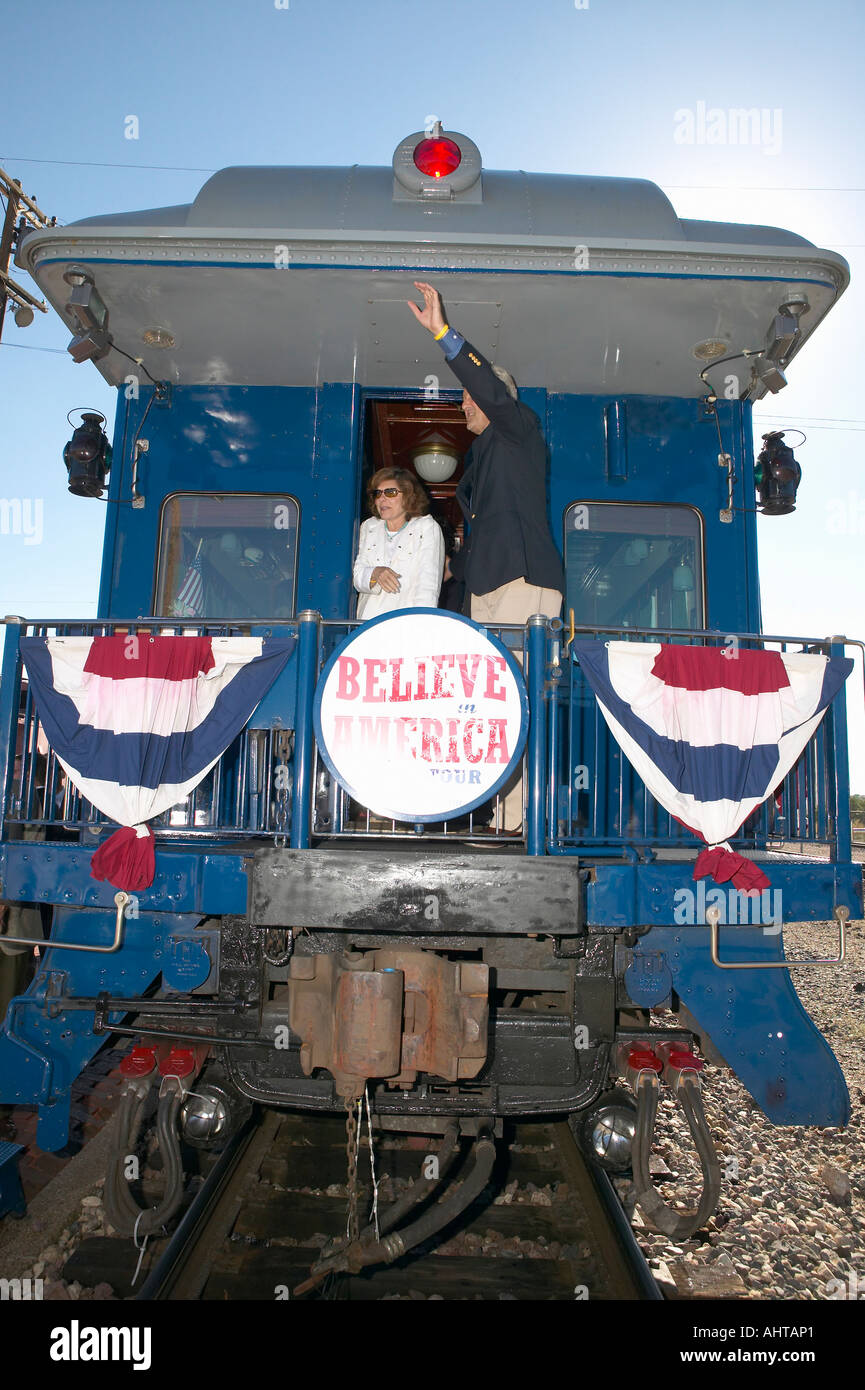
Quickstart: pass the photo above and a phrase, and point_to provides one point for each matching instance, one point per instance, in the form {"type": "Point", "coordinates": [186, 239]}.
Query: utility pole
{"type": "Point", "coordinates": [21, 211]}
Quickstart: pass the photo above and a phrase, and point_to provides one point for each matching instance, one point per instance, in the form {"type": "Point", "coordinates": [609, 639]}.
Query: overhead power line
{"type": "Point", "coordinates": [828, 419]}
{"type": "Point", "coordinates": [98, 164]}
{"type": "Point", "coordinates": [30, 347]}
{"type": "Point", "coordinates": [831, 429]}
{"type": "Point", "coordinates": [195, 169]}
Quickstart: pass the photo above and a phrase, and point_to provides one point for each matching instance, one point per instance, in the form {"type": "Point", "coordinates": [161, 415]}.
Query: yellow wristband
{"type": "Point", "coordinates": [440, 335]}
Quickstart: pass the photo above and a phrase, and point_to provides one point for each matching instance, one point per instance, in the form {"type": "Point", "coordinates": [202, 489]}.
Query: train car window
{"type": "Point", "coordinates": [227, 555]}
{"type": "Point", "coordinates": [634, 565]}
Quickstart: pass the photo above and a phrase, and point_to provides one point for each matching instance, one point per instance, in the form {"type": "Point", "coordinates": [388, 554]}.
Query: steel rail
{"type": "Point", "coordinates": [177, 1274]}
{"type": "Point", "coordinates": [183, 1267]}
{"type": "Point", "coordinates": [617, 1242]}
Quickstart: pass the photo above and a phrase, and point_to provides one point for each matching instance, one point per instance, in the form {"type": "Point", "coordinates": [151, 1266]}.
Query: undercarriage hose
{"type": "Point", "coordinates": [364, 1252]}
{"type": "Point", "coordinates": [677, 1224]}
{"type": "Point", "coordinates": [121, 1207]}
{"type": "Point", "coordinates": [420, 1188]}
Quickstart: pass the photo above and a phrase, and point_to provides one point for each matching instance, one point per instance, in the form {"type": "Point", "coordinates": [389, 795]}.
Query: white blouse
{"type": "Point", "coordinates": [416, 554]}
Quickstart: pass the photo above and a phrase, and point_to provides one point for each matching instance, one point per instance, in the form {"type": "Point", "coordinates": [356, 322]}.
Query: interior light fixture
{"type": "Point", "coordinates": [710, 349]}
{"type": "Point", "coordinates": [683, 578]}
{"type": "Point", "coordinates": [158, 338]}
{"type": "Point", "coordinates": [435, 461]}
{"type": "Point", "coordinates": [636, 551]}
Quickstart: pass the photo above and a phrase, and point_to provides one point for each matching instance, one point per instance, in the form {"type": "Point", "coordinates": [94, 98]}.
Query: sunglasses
{"type": "Point", "coordinates": [386, 492]}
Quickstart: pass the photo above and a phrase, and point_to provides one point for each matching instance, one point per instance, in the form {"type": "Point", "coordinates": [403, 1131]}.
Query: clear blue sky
{"type": "Point", "coordinates": [539, 85]}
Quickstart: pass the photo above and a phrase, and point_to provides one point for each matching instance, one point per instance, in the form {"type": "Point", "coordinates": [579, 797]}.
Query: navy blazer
{"type": "Point", "coordinates": [502, 492]}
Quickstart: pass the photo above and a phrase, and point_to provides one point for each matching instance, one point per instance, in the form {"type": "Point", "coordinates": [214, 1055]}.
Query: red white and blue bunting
{"type": "Point", "coordinates": [711, 730]}
{"type": "Point", "coordinates": [137, 721]}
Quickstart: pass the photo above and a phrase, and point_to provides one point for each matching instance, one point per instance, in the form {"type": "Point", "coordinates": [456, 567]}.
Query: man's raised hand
{"type": "Point", "coordinates": [432, 314]}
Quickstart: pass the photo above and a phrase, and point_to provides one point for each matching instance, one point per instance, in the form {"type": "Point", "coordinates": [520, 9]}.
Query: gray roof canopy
{"type": "Point", "coordinates": [361, 199]}
{"type": "Point", "coordinates": [298, 276]}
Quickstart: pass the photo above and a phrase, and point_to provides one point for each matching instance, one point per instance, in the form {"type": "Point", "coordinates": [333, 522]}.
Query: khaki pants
{"type": "Point", "coordinates": [515, 602]}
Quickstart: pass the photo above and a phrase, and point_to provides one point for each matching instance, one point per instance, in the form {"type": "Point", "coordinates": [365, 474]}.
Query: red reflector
{"type": "Point", "coordinates": [436, 158]}
{"type": "Point", "coordinates": [179, 1062]}
{"type": "Point", "coordinates": [683, 1061]}
{"type": "Point", "coordinates": [641, 1059]}
{"type": "Point", "coordinates": [139, 1062]}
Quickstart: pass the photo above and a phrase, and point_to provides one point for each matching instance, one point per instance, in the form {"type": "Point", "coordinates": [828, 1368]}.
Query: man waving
{"type": "Point", "coordinates": [512, 567]}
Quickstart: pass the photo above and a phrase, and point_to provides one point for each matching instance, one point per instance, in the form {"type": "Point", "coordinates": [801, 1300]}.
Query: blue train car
{"type": "Point", "coordinates": [294, 947]}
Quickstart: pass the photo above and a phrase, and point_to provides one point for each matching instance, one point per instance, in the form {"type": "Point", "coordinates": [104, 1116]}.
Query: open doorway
{"type": "Point", "coordinates": [398, 433]}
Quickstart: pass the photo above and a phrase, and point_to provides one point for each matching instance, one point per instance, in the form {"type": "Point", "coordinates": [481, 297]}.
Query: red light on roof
{"type": "Point", "coordinates": [437, 157]}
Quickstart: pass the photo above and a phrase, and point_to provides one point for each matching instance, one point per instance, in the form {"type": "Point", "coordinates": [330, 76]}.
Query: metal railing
{"type": "Point", "coordinates": [582, 795]}
{"type": "Point", "coordinates": [596, 801]}
{"type": "Point", "coordinates": [237, 798]}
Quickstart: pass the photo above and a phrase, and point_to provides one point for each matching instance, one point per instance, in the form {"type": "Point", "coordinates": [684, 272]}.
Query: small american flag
{"type": "Point", "coordinates": [190, 600]}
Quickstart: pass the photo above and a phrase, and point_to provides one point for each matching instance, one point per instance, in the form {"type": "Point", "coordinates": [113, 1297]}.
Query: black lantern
{"type": "Point", "coordinates": [88, 456]}
{"type": "Point", "coordinates": [777, 475]}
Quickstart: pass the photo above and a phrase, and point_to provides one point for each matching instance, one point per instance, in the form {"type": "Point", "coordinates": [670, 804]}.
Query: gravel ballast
{"type": "Point", "coordinates": [790, 1222]}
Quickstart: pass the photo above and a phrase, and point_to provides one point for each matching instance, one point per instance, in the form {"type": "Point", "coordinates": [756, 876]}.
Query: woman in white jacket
{"type": "Point", "coordinates": [400, 558]}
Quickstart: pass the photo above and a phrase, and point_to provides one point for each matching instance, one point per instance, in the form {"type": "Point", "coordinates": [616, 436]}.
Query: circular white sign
{"type": "Point", "coordinates": [421, 715]}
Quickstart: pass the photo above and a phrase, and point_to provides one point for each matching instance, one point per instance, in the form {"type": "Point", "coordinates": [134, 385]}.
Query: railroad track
{"type": "Point", "coordinates": [278, 1194]}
